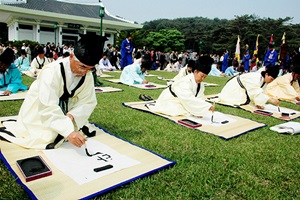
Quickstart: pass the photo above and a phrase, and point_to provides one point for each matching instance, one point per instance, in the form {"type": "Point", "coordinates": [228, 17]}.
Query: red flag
{"type": "Point", "coordinates": [271, 39]}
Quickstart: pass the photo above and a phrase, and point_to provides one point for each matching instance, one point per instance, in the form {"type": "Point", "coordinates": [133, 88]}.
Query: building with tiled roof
{"type": "Point", "coordinates": [58, 21]}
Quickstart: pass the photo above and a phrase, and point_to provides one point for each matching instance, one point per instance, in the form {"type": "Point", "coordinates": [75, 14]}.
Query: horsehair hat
{"type": "Point", "coordinates": [203, 64]}
{"type": "Point", "coordinates": [41, 50]}
{"type": "Point", "coordinates": [23, 52]}
{"type": "Point", "coordinates": [273, 71]}
{"type": "Point", "coordinates": [296, 64]}
{"type": "Point", "coordinates": [89, 49]}
{"type": "Point", "coordinates": [7, 56]}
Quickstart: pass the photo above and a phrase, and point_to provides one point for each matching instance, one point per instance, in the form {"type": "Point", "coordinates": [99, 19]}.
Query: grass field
{"type": "Point", "coordinates": [261, 164]}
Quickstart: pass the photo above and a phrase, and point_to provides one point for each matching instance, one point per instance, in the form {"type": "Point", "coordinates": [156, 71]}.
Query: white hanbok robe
{"type": "Point", "coordinates": [105, 65]}
{"type": "Point", "coordinates": [233, 93]}
{"type": "Point", "coordinates": [186, 102]}
{"type": "Point", "coordinates": [34, 66]}
{"type": "Point", "coordinates": [284, 88]}
{"type": "Point", "coordinates": [41, 119]}
{"type": "Point", "coordinates": [182, 73]}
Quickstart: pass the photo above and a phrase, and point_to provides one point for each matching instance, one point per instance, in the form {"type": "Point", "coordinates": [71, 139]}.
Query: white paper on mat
{"type": "Point", "coordinates": [74, 162]}
{"type": "Point", "coordinates": [217, 119]}
{"type": "Point", "coordinates": [274, 109]}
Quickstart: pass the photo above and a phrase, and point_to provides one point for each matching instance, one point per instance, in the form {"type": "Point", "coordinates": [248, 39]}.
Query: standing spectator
{"type": "Point", "coordinates": [47, 49]}
{"type": "Point", "coordinates": [115, 56]}
{"type": "Point", "coordinates": [23, 46]}
{"type": "Point", "coordinates": [126, 52]}
{"type": "Point", "coordinates": [246, 59]}
{"type": "Point", "coordinates": [35, 51]}
{"type": "Point", "coordinates": [28, 52]}
{"type": "Point", "coordinates": [108, 51]}
{"type": "Point", "coordinates": [225, 61]}
{"type": "Point", "coordinates": [270, 57]}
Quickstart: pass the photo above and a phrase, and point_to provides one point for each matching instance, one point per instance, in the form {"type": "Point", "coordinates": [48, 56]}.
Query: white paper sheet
{"type": "Point", "coordinates": [274, 109]}
{"type": "Point", "coordinates": [217, 119]}
{"type": "Point", "coordinates": [74, 162]}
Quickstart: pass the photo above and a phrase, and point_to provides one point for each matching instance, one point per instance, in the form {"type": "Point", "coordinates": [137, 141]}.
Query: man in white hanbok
{"type": "Point", "coordinates": [286, 87]}
{"type": "Point", "coordinates": [38, 63]}
{"type": "Point", "coordinates": [185, 70]}
{"type": "Point", "coordinates": [60, 101]}
{"type": "Point", "coordinates": [186, 95]}
{"type": "Point", "coordinates": [249, 87]}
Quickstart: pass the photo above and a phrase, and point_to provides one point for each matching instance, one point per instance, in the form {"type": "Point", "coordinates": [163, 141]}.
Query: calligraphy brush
{"type": "Point", "coordinates": [212, 113]}
{"type": "Point", "coordinates": [278, 107]}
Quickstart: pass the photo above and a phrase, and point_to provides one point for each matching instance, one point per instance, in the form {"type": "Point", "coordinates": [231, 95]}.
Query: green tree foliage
{"type": "Point", "coordinates": [216, 34]}
{"type": "Point", "coordinates": [165, 40]}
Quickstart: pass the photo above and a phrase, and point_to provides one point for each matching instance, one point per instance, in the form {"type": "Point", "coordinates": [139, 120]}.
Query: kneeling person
{"type": "Point", "coordinates": [60, 101]}
{"type": "Point", "coordinates": [186, 95]}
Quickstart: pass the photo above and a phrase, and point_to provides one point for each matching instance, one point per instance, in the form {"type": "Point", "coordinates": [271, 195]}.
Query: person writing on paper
{"type": "Point", "coordinates": [60, 101]}
{"type": "Point", "coordinates": [22, 62]}
{"type": "Point", "coordinates": [38, 62]}
{"type": "Point", "coordinates": [186, 95]}
{"type": "Point", "coordinates": [10, 76]}
{"type": "Point", "coordinates": [104, 64]}
{"type": "Point", "coordinates": [286, 87]}
{"type": "Point", "coordinates": [186, 70]}
{"type": "Point", "coordinates": [135, 73]}
{"type": "Point", "coordinates": [242, 89]}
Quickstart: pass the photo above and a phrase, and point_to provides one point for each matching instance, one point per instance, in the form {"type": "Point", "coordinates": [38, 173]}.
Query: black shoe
{"type": "Point", "coordinates": [145, 97]}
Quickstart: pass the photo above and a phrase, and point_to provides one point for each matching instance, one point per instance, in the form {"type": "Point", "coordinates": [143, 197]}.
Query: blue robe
{"type": "Point", "coordinates": [22, 63]}
{"type": "Point", "coordinates": [270, 58]}
{"type": "Point", "coordinates": [246, 62]}
{"type": "Point", "coordinates": [225, 62]}
{"type": "Point", "coordinates": [230, 71]}
{"type": "Point", "coordinates": [126, 53]}
{"type": "Point", "coordinates": [132, 74]}
{"type": "Point", "coordinates": [13, 80]}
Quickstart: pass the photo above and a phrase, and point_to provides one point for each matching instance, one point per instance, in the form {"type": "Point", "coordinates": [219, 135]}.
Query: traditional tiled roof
{"type": "Point", "coordinates": [91, 11]}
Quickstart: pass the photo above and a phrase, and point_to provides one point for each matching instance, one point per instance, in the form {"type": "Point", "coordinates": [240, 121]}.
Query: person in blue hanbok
{"type": "Point", "coordinates": [126, 52]}
{"type": "Point", "coordinates": [214, 71]}
{"type": "Point", "coordinates": [246, 59]}
{"type": "Point", "coordinates": [134, 74]}
{"type": "Point", "coordinates": [10, 76]}
{"type": "Point", "coordinates": [271, 56]}
{"type": "Point", "coordinates": [225, 61]}
{"type": "Point", "coordinates": [22, 62]}
{"type": "Point", "coordinates": [232, 70]}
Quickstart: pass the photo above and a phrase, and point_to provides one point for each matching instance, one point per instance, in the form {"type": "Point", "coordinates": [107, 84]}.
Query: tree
{"type": "Point", "coordinates": [165, 40]}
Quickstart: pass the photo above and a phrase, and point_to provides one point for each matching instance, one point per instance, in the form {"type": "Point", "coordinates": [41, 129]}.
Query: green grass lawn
{"type": "Point", "coordinates": [261, 164]}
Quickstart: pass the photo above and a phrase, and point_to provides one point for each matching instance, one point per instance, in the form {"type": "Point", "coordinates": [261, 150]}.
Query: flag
{"type": "Point", "coordinates": [237, 49]}
{"type": "Point", "coordinates": [283, 38]}
{"type": "Point", "coordinates": [256, 46]}
{"type": "Point", "coordinates": [283, 50]}
{"type": "Point", "coordinates": [271, 39]}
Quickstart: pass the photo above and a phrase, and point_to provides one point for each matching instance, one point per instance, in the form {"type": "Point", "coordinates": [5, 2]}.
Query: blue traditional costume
{"type": "Point", "coordinates": [271, 56]}
{"type": "Point", "coordinates": [225, 62]}
{"type": "Point", "coordinates": [11, 78]}
{"type": "Point", "coordinates": [132, 74]}
{"type": "Point", "coordinates": [23, 62]}
{"type": "Point", "coordinates": [126, 52]}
